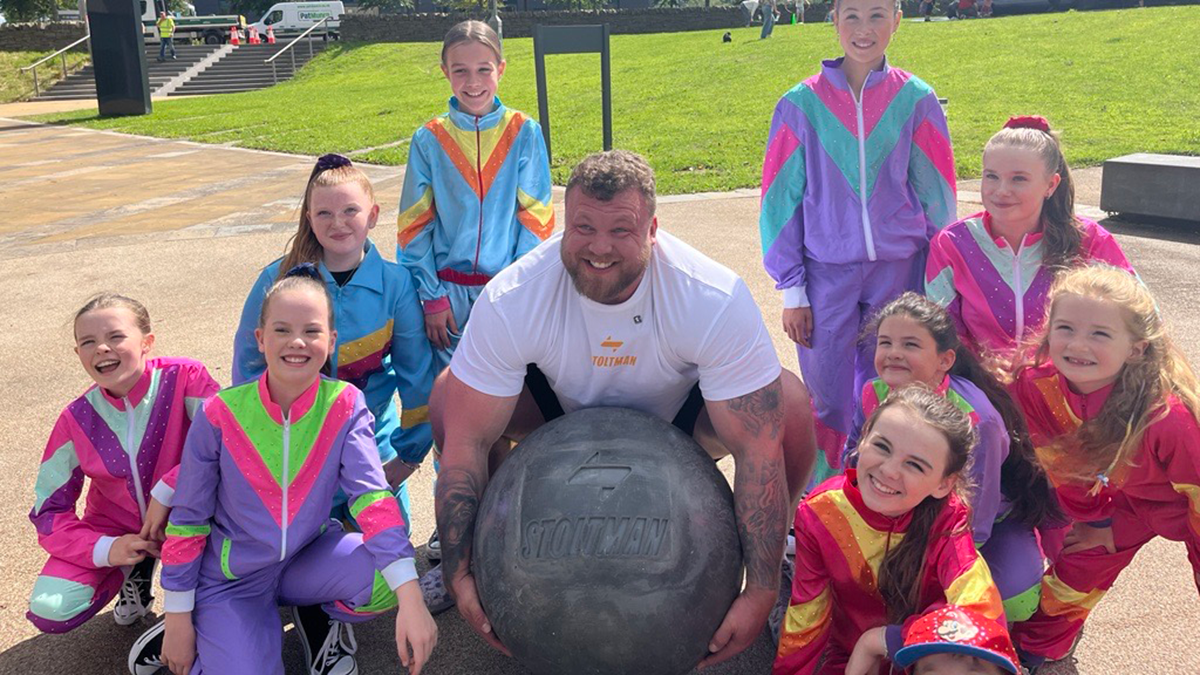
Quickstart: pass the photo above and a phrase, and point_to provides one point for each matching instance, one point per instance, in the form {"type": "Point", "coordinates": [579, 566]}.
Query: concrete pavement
{"type": "Point", "coordinates": [185, 228]}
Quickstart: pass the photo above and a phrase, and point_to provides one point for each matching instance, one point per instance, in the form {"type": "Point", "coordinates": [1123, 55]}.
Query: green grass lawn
{"type": "Point", "coordinates": [15, 85]}
{"type": "Point", "coordinates": [1114, 82]}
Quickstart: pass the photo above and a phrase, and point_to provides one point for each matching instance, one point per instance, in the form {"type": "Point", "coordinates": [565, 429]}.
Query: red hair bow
{"type": "Point", "coordinates": [1028, 122]}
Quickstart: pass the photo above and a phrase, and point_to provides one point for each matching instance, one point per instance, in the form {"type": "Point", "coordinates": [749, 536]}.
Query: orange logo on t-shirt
{"type": "Point", "coordinates": [612, 344]}
{"type": "Point", "coordinates": [613, 361]}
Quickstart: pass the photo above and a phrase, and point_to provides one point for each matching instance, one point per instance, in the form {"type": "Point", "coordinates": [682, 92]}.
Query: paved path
{"type": "Point", "coordinates": [185, 228]}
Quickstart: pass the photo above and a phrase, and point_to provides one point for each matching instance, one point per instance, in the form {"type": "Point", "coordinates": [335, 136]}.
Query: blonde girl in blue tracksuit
{"type": "Point", "coordinates": [381, 346]}
{"type": "Point", "coordinates": [476, 192]}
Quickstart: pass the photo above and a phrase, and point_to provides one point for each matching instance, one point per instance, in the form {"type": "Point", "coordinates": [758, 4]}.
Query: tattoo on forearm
{"type": "Point", "coordinates": [761, 501]}
{"type": "Point", "coordinates": [457, 503]}
{"type": "Point", "coordinates": [760, 410]}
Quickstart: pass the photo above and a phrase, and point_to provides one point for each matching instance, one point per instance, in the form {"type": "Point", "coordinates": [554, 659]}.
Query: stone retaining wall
{"type": "Point", "coordinates": [34, 37]}
{"type": "Point", "coordinates": [433, 27]}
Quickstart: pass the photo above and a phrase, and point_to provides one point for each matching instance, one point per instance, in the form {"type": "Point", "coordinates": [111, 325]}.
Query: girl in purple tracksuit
{"type": "Point", "coordinates": [858, 175]}
{"type": "Point", "coordinates": [125, 435]}
{"type": "Point", "coordinates": [250, 527]}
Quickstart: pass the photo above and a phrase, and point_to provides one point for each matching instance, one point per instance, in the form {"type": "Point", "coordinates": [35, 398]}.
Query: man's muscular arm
{"type": "Point", "coordinates": [751, 427]}
{"type": "Point", "coordinates": [467, 425]}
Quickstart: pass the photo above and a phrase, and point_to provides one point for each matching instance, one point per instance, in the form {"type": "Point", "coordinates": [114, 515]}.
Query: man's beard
{"type": "Point", "coordinates": [606, 291]}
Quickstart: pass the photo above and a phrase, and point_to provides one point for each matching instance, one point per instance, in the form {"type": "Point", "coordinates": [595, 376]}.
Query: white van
{"type": "Point", "coordinates": [293, 18]}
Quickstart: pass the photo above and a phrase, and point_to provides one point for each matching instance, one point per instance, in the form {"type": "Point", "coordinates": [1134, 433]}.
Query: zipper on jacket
{"type": "Point", "coordinates": [1018, 296]}
{"type": "Point", "coordinates": [287, 440]}
{"type": "Point", "coordinates": [479, 178]}
{"type": "Point", "coordinates": [132, 453]}
{"type": "Point", "coordinates": [862, 173]}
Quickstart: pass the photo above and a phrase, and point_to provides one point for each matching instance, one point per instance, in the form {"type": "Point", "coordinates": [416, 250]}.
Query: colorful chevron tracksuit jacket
{"type": "Point", "coordinates": [997, 296]}
{"type": "Point", "coordinates": [476, 197]}
{"type": "Point", "coordinates": [1157, 493]}
{"type": "Point", "coordinates": [852, 190]}
{"type": "Point", "coordinates": [840, 545]}
{"type": "Point", "coordinates": [381, 349]}
{"type": "Point", "coordinates": [251, 507]}
{"type": "Point", "coordinates": [129, 448]}
{"type": "Point", "coordinates": [1010, 547]}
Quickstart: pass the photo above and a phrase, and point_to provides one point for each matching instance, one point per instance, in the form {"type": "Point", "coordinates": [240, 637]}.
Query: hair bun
{"type": "Point", "coordinates": [304, 270]}
{"type": "Point", "coordinates": [1028, 122]}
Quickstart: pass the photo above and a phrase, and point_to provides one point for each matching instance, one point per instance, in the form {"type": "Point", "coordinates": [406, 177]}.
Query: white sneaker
{"type": "Point", "coordinates": [335, 653]}
{"type": "Point", "coordinates": [135, 599]}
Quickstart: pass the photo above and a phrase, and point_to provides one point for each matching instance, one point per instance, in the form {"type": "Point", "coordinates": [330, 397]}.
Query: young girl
{"type": "Point", "coordinates": [1010, 497]}
{"type": "Point", "coordinates": [250, 528]}
{"type": "Point", "coordinates": [992, 270]}
{"type": "Point", "coordinates": [125, 434]}
{"type": "Point", "coordinates": [857, 177]}
{"type": "Point", "coordinates": [476, 191]}
{"type": "Point", "coordinates": [885, 541]}
{"type": "Point", "coordinates": [381, 347]}
{"type": "Point", "coordinates": [1112, 408]}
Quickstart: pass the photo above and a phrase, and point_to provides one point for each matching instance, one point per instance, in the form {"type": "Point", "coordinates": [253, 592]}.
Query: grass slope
{"type": "Point", "coordinates": [1115, 82]}
{"type": "Point", "coordinates": [15, 85]}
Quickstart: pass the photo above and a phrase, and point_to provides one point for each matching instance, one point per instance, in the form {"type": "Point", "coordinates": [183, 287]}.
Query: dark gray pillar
{"type": "Point", "coordinates": [118, 57]}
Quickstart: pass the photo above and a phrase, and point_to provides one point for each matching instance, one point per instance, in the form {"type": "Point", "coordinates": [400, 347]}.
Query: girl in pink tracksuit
{"type": "Point", "coordinates": [125, 434]}
{"type": "Point", "coordinates": [992, 270]}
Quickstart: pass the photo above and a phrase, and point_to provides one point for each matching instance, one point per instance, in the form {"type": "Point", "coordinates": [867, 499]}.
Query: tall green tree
{"type": "Point", "coordinates": [27, 10]}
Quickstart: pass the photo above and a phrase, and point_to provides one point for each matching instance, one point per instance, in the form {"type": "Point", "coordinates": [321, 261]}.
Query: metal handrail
{"type": "Point", "coordinates": [37, 91]}
{"type": "Point", "coordinates": [288, 48]}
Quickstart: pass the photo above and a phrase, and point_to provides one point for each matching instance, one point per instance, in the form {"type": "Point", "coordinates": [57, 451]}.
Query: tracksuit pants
{"type": "Point", "coordinates": [237, 621]}
{"type": "Point", "coordinates": [1077, 581]}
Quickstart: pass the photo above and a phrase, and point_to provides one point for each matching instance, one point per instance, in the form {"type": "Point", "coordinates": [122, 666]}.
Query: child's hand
{"type": "Point", "coordinates": [438, 327]}
{"type": "Point", "coordinates": [415, 627]}
{"type": "Point", "coordinates": [129, 549]}
{"type": "Point", "coordinates": [868, 652]}
{"type": "Point", "coordinates": [1083, 536]}
{"type": "Point", "coordinates": [179, 642]}
{"type": "Point", "coordinates": [154, 528]}
{"type": "Point", "coordinates": [798, 324]}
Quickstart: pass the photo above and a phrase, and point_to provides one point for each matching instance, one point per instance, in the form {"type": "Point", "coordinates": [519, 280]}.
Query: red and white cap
{"type": "Point", "coordinates": [958, 630]}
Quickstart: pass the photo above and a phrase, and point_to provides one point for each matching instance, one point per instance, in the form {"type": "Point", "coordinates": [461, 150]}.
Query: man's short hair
{"type": "Point", "coordinates": [604, 174]}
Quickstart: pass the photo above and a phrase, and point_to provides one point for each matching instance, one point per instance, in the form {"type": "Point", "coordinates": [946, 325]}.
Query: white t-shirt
{"type": "Point", "coordinates": [690, 319]}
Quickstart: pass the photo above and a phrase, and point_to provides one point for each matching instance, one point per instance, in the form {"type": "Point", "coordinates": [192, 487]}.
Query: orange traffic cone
{"type": "Point", "coordinates": [270, 35]}
{"type": "Point", "coordinates": [233, 36]}
{"type": "Point", "coordinates": [254, 39]}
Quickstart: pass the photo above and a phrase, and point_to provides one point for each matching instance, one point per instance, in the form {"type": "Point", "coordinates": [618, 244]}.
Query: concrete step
{"type": "Point", "coordinates": [194, 91]}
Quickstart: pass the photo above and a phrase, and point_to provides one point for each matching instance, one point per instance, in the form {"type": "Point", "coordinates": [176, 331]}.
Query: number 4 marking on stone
{"type": "Point", "coordinates": [607, 477]}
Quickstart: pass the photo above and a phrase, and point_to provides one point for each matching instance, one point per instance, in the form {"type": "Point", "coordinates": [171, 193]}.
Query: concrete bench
{"type": "Point", "coordinates": [1167, 186]}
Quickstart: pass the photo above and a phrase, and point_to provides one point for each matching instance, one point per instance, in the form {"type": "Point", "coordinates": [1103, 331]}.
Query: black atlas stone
{"type": "Point", "coordinates": [607, 543]}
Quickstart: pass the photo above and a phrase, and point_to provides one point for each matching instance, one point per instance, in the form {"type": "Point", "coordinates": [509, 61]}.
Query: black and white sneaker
{"type": "Point", "coordinates": [433, 549]}
{"type": "Point", "coordinates": [146, 656]}
{"type": "Point", "coordinates": [329, 644]}
{"type": "Point", "coordinates": [135, 598]}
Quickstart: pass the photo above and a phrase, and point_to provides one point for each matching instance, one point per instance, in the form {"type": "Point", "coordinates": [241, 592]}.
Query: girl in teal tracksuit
{"type": "Point", "coordinates": [381, 346]}
{"type": "Point", "coordinates": [476, 191]}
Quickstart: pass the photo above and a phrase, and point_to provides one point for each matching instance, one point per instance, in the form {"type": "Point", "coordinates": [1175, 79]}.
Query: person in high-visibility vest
{"type": "Point", "coordinates": [166, 32]}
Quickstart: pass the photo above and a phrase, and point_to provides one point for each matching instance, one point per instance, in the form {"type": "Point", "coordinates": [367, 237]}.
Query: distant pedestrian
{"type": "Point", "coordinates": [768, 11]}
{"type": "Point", "coordinates": [166, 33]}
{"type": "Point", "coordinates": [748, 8]}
